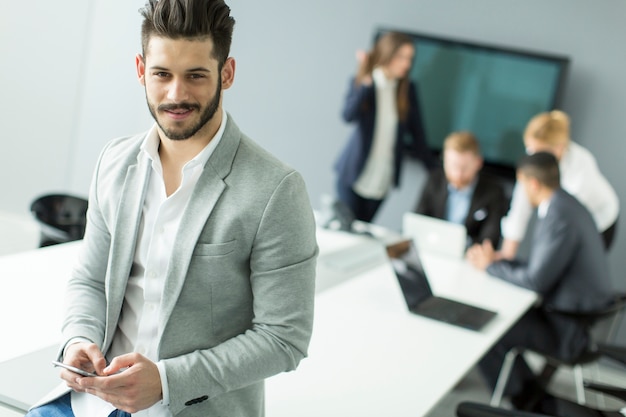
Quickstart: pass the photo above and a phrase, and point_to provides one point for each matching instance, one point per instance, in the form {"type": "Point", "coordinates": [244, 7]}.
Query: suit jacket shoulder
{"type": "Point", "coordinates": [567, 263]}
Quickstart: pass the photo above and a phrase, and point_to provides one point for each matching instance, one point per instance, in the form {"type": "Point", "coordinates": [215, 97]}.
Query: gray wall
{"type": "Point", "coordinates": [296, 57]}
{"type": "Point", "coordinates": [69, 82]}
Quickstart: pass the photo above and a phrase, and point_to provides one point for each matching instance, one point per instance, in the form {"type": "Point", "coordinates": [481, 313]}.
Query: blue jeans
{"type": "Point", "coordinates": [62, 407]}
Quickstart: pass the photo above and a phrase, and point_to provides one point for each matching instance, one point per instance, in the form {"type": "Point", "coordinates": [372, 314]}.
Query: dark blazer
{"type": "Point", "coordinates": [487, 206]}
{"type": "Point", "coordinates": [567, 265]}
{"type": "Point", "coordinates": [360, 108]}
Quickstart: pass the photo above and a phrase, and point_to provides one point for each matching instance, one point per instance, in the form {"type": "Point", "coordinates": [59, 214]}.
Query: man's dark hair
{"type": "Point", "coordinates": [189, 19]}
{"type": "Point", "coordinates": [543, 166]}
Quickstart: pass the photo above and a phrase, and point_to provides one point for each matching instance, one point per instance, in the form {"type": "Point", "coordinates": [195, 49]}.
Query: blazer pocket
{"type": "Point", "coordinates": [214, 249]}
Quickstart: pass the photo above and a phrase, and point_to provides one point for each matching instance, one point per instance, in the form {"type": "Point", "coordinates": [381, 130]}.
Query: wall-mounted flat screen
{"type": "Point", "coordinates": [490, 91]}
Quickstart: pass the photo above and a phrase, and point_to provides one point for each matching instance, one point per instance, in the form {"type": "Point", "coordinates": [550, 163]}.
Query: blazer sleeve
{"type": "Point", "coordinates": [282, 277]}
{"type": "Point", "coordinates": [551, 253]}
{"type": "Point", "coordinates": [432, 199]}
{"type": "Point", "coordinates": [515, 223]}
{"type": "Point", "coordinates": [357, 95]}
{"type": "Point", "coordinates": [85, 298]}
{"type": "Point", "coordinates": [494, 204]}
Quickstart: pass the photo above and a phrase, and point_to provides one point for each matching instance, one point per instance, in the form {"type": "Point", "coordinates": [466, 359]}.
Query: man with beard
{"type": "Point", "coordinates": [195, 280]}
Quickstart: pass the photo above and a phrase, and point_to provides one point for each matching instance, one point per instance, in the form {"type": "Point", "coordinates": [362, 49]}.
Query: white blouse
{"type": "Point", "coordinates": [581, 177]}
{"type": "Point", "coordinates": [376, 179]}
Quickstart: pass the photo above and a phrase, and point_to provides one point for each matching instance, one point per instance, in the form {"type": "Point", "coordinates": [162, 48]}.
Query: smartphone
{"type": "Point", "coordinates": [74, 369]}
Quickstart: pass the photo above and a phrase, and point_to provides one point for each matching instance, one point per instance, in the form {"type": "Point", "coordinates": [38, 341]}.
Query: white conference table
{"type": "Point", "coordinates": [32, 286]}
{"type": "Point", "coordinates": [368, 356]}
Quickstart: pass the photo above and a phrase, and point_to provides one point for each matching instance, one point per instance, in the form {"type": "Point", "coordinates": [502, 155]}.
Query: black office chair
{"type": "Point", "coordinates": [62, 218]}
{"type": "Point", "coordinates": [601, 324]}
{"type": "Point", "coordinates": [617, 354]}
{"type": "Point", "coordinates": [551, 406]}
{"type": "Point", "coordinates": [559, 407]}
{"type": "Point", "coordinates": [471, 409]}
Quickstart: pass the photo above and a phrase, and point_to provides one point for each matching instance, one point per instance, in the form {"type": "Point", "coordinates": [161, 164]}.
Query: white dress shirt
{"type": "Point", "coordinates": [376, 179]}
{"type": "Point", "coordinates": [138, 324]}
{"type": "Point", "coordinates": [581, 177]}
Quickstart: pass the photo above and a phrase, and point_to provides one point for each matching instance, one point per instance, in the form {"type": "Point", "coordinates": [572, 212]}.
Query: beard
{"type": "Point", "coordinates": [206, 114]}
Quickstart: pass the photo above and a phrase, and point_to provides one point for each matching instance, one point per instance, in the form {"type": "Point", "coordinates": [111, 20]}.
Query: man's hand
{"type": "Point", "coordinates": [481, 255]}
{"type": "Point", "coordinates": [85, 356]}
{"type": "Point", "coordinates": [135, 388]}
{"type": "Point", "coordinates": [508, 250]}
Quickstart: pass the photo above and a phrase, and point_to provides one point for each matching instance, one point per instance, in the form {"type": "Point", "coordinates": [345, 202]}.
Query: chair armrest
{"type": "Point", "coordinates": [611, 390]}
{"type": "Point", "coordinates": [471, 409]}
{"type": "Point", "coordinates": [617, 353]}
{"type": "Point", "coordinates": [618, 303]}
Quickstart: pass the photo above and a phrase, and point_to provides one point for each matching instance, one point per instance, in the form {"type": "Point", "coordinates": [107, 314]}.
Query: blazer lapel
{"type": "Point", "coordinates": [205, 196]}
{"type": "Point", "coordinates": [124, 238]}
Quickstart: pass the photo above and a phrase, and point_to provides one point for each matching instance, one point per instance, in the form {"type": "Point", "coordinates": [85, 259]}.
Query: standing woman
{"type": "Point", "coordinates": [382, 102]}
{"type": "Point", "coordinates": [580, 176]}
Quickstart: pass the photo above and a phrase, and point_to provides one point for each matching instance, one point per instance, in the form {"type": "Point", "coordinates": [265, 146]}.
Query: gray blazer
{"type": "Point", "coordinates": [237, 305]}
{"type": "Point", "coordinates": [567, 264]}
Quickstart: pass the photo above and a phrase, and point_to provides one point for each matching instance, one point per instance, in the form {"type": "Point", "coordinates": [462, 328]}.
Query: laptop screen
{"type": "Point", "coordinates": [410, 272]}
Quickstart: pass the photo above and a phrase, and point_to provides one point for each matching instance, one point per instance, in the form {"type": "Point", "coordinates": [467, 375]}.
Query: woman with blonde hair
{"type": "Point", "coordinates": [383, 103]}
{"type": "Point", "coordinates": [580, 176]}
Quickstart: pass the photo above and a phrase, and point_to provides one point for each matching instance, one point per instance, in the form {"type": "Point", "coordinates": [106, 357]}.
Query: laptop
{"type": "Point", "coordinates": [419, 296]}
{"type": "Point", "coordinates": [435, 235]}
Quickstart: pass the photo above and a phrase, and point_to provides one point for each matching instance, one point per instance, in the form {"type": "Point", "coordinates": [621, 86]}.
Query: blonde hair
{"type": "Point", "coordinates": [551, 128]}
{"type": "Point", "coordinates": [462, 142]}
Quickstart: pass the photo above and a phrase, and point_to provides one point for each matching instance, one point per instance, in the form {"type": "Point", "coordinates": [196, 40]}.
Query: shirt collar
{"type": "Point", "coordinates": [542, 210]}
{"type": "Point", "coordinates": [467, 190]}
{"type": "Point", "coordinates": [150, 145]}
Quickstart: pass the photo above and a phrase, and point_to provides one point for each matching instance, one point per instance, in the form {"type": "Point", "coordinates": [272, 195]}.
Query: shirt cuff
{"type": "Point", "coordinates": [164, 387]}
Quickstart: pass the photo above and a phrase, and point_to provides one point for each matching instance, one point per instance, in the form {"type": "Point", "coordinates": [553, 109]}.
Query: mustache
{"type": "Point", "coordinates": [178, 106]}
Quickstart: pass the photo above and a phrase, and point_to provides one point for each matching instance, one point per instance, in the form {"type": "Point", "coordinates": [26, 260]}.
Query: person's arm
{"type": "Point", "coordinates": [493, 203]}
{"type": "Point", "coordinates": [508, 249]}
{"type": "Point", "coordinates": [282, 278]}
{"type": "Point", "coordinates": [581, 177]}
{"type": "Point", "coordinates": [426, 202]}
{"type": "Point", "coordinates": [514, 224]}
{"type": "Point", "coordinates": [85, 298]}
{"type": "Point", "coordinates": [357, 95]}
{"type": "Point", "coordinates": [549, 257]}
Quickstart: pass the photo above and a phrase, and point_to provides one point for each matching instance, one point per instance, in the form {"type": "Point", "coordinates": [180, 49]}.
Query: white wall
{"type": "Point", "coordinates": [69, 83]}
{"type": "Point", "coordinates": [41, 70]}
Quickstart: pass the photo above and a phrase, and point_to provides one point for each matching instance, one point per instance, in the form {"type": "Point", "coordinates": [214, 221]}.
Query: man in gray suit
{"type": "Point", "coordinates": [196, 277]}
{"type": "Point", "coordinates": [567, 267]}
